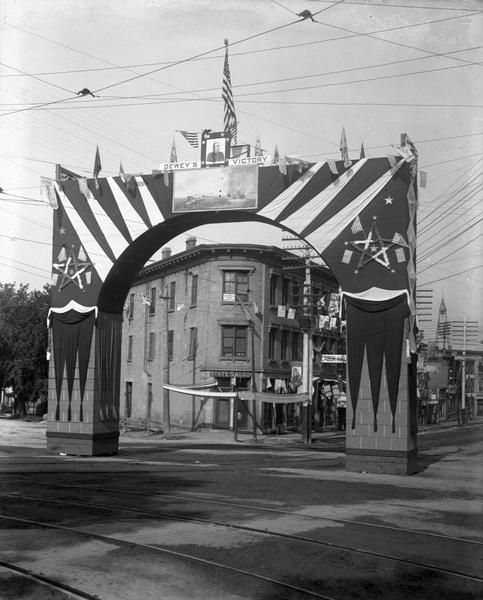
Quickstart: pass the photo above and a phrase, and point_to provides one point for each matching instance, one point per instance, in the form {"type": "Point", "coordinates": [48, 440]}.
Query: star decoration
{"type": "Point", "coordinates": [388, 200]}
{"type": "Point", "coordinates": [70, 268]}
{"type": "Point", "coordinates": [61, 230]}
{"type": "Point", "coordinates": [374, 247]}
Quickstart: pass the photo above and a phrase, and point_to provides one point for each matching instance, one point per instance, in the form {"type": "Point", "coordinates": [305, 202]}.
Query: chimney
{"type": "Point", "coordinates": [190, 243]}
{"type": "Point", "coordinates": [165, 253]}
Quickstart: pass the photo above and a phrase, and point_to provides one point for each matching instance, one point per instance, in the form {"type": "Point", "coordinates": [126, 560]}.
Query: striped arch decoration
{"type": "Point", "coordinates": [360, 218]}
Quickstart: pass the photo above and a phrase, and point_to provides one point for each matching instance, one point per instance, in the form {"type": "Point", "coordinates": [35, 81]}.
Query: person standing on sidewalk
{"type": "Point", "coordinates": [341, 411]}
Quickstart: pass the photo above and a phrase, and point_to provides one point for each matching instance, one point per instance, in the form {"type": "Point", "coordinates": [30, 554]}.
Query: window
{"type": "Point", "coordinates": [129, 348]}
{"type": "Point", "coordinates": [284, 346]}
{"type": "Point", "coordinates": [128, 400]}
{"type": "Point", "coordinates": [234, 340]}
{"type": "Point", "coordinates": [235, 286]}
{"type": "Point", "coordinates": [296, 350]}
{"type": "Point", "coordinates": [285, 290]}
{"type": "Point", "coordinates": [272, 339]}
{"type": "Point", "coordinates": [273, 289]}
{"type": "Point", "coordinates": [170, 344]}
{"type": "Point", "coordinates": [193, 343]}
{"type": "Point", "coordinates": [152, 346]}
{"type": "Point", "coordinates": [149, 400]}
{"type": "Point", "coordinates": [172, 295]}
{"type": "Point", "coordinates": [131, 307]}
{"type": "Point", "coordinates": [152, 305]}
{"type": "Point", "coordinates": [194, 290]}
{"type": "Point", "coordinates": [295, 293]}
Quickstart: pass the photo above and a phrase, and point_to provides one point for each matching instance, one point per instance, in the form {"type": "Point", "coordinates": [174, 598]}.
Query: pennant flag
{"type": "Point", "coordinates": [174, 156]}
{"type": "Point", "coordinates": [344, 150]}
{"type": "Point", "coordinates": [83, 187]}
{"type": "Point", "coordinates": [282, 166]}
{"type": "Point", "coordinates": [258, 147]}
{"type": "Point", "coordinates": [332, 166]}
{"type": "Point", "coordinates": [363, 153]}
{"type": "Point", "coordinates": [47, 189]}
{"type": "Point", "coordinates": [392, 160]}
{"type": "Point", "coordinates": [356, 225]}
{"type": "Point", "coordinates": [121, 173]}
{"type": "Point", "coordinates": [62, 174]}
{"type": "Point", "coordinates": [229, 121]}
{"type": "Point", "coordinates": [97, 167]}
{"type": "Point", "coordinates": [275, 155]}
{"type": "Point", "coordinates": [423, 178]}
{"type": "Point", "coordinates": [190, 137]}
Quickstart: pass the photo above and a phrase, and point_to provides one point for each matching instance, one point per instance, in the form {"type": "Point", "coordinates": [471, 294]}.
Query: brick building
{"type": "Point", "coordinates": [215, 315]}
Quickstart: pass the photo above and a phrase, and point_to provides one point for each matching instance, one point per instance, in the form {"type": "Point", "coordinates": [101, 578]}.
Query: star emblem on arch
{"type": "Point", "coordinates": [374, 247]}
{"type": "Point", "coordinates": [72, 268]}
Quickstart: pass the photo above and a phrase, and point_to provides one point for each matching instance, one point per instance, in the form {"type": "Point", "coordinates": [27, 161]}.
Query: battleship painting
{"type": "Point", "coordinates": [224, 188]}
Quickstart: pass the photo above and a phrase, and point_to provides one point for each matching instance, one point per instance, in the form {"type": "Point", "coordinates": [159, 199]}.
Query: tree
{"type": "Point", "coordinates": [24, 342]}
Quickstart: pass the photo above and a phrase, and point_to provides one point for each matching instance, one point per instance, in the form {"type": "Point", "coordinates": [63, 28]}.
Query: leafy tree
{"type": "Point", "coordinates": [24, 342]}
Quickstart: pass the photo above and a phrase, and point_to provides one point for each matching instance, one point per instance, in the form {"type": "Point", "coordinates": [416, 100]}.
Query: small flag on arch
{"type": "Point", "coordinates": [174, 155]}
{"type": "Point", "coordinates": [97, 167]}
{"type": "Point", "coordinates": [190, 137]}
{"type": "Point", "coordinates": [229, 121]}
{"type": "Point", "coordinates": [363, 152]}
{"type": "Point", "coordinates": [258, 147]}
{"type": "Point", "coordinates": [344, 150]}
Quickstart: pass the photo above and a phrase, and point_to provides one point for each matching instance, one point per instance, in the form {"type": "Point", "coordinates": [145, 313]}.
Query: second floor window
{"type": "Point", "coordinates": [131, 307]}
{"type": "Point", "coordinates": [172, 295]}
{"type": "Point", "coordinates": [129, 348]}
{"type": "Point", "coordinates": [296, 346]}
{"type": "Point", "coordinates": [193, 343]}
{"type": "Point", "coordinates": [152, 346]}
{"type": "Point", "coordinates": [272, 339]}
{"type": "Point", "coordinates": [234, 340]}
{"type": "Point", "coordinates": [273, 290]}
{"type": "Point", "coordinates": [284, 346]}
{"type": "Point", "coordinates": [152, 304]}
{"type": "Point", "coordinates": [194, 290]}
{"type": "Point", "coordinates": [285, 291]}
{"type": "Point", "coordinates": [170, 344]}
{"type": "Point", "coordinates": [235, 286]}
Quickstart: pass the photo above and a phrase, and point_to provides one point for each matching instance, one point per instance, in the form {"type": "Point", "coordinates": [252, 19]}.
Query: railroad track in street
{"type": "Point", "coordinates": [302, 542]}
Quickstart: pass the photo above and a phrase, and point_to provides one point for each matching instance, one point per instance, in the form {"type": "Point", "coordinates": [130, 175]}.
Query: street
{"type": "Point", "coordinates": [202, 516]}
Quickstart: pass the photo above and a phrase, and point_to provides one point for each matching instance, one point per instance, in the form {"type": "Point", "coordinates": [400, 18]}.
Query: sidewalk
{"type": "Point", "coordinates": [225, 436]}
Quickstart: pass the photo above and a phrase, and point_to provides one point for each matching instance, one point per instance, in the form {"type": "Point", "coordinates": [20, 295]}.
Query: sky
{"type": "Point", "coordinates": [378, 68]}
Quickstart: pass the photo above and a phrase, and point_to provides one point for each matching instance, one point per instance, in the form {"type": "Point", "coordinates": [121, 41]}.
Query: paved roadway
{"type": "Point", "coordinates": [200, 516]}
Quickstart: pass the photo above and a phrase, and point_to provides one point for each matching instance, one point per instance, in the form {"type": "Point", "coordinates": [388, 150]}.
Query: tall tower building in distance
{"type": "Point", "coordinates": [443, 328]}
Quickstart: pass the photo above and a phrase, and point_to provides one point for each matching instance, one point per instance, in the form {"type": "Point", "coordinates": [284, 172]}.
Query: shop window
{"type": "Point", "coordinates": [128, 400]}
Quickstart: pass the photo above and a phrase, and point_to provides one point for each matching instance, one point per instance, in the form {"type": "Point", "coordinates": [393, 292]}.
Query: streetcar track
{"type": "Point", "coordinates": [246, 529]}
{"type": "Point", "coordinates": [47, 581]}
{"type": "Point", "coordinates": [194, 497]}
{"type": "Point", "coordinates": [163, 550]}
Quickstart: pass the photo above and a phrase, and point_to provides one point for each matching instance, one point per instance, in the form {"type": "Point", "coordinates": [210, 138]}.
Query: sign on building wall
{"type": "Point", "coordinates": [333, 358]}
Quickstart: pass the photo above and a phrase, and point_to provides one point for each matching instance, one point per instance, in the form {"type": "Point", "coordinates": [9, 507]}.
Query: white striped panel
{"type": "Point", "coordinates": [133, 221]}
{"type": "Point", "coordinates": [102, 263]}
{"type": "Point", "coordinates": [299, 220]}
{"type": "Point", "coordinates": [154, 214]}
{"type": "Point", "coordinates": [272, 210]}
{"type": "Point", "coordinates": [116, 240]}
{"type": "Point", "coordinates": [326, 233]}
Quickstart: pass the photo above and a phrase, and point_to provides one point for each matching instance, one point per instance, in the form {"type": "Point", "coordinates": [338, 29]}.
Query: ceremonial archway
{"type": "Point", "coordinates": [359, 217]}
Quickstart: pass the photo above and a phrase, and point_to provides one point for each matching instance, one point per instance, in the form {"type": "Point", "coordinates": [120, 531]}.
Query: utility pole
{"type": "Point", "coordinates": [166, 411]}
{"type": "Point", "coordinates": [464, 331]}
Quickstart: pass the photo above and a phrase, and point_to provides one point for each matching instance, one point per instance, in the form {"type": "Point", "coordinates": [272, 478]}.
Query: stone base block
{"type": "Point", "coordinates": [391, 462]}
{"type": "Point", "coordinates": [83, 444]}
